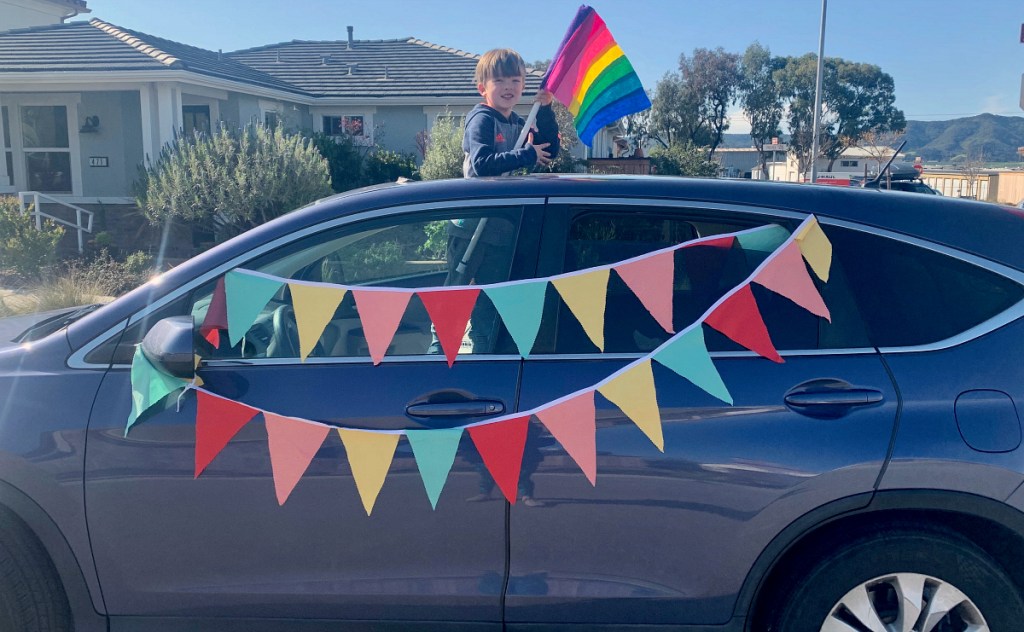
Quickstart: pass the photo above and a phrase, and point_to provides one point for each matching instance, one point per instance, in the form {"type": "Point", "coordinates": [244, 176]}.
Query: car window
{"type": "Point", "coordinates": [702, 275]}
{"type": "Point", "coordinates": [910, 295]}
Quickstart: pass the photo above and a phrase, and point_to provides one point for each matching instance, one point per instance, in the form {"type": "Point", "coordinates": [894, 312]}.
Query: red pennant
{"type": "Point", "coordinates": [501, 447]}
{"type": "Point", "coordinates": [216, 315]}
{"type": "Point", "coordinates": [449, 310]}
{"type": "Point", "coordinates": [218, 420]}
{"type": "Point", "coordinates": [721, 242]}
{"type": "Point", "coordinates": [739, 319]}
{"type": "Point", "coordinates": [787, 275]}
{"type": "Point", "coordinates": [293, 443]}
{"type": "Point", "coordinates": [380, 313]}
{"type": "Point", "coordinates": [651, 280]}
{"type": "Point", "coordinates": [573, 423]}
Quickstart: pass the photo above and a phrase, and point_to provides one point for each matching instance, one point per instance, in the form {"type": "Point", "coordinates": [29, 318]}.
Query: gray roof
{"type": "Point", "coordinates": [406, 67]}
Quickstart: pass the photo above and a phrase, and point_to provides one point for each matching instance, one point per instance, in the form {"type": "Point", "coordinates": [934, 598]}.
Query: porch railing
{"type": "Point", "coordinates": [83, 217]}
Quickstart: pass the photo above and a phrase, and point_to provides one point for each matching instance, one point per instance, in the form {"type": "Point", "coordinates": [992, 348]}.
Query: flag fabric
{"type": "Point", "coordinates": [591, 76]}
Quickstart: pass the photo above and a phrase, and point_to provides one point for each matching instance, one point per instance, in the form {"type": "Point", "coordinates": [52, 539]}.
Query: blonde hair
{"type": "Point", "coordinates": [499, 62]}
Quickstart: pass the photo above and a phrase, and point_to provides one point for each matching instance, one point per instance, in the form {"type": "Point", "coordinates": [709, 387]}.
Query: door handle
{"type": "Point", "coordinates": [830, 398]}
{"type": "Point", "coordinates": [472, 408]}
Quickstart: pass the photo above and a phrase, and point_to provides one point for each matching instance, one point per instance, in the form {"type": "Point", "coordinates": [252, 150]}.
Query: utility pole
{"type": "Point", "coordinates": [815, 129]}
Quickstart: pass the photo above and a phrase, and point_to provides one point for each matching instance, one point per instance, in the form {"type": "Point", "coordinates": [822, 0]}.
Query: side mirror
{"type": "Point", "coordinates": [170, 346]}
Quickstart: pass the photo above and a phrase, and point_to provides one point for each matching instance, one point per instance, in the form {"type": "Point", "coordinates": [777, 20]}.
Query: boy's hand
{"type": "Point", "coordinates": [543, 157]}
{"type": "Point", "coordinates": [544, 97]}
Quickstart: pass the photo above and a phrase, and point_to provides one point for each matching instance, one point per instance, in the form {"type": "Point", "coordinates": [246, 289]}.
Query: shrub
{"type": "Point", "coordinates": [344, 160]}
{"type": "Point", "coordinates": [383, 165]}
{"type": "Point", "coordinates": [444, 156]}
{"type": "Point", "coordinates": [682, 159]}
{"type": "Point", "coordinates": [229, 182]}
{"type": "Point", "coordinates": [24, 250]}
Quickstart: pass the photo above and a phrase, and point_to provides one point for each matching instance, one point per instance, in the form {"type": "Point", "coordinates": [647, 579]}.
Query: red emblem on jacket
{"type": "Point", "coordinates": [500, 138]}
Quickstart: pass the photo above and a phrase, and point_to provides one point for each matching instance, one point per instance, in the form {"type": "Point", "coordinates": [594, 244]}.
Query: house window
{"type": "Point", "coordinates": [8, 154]}
{"type": "Point", "coordinates": [354, 126]}
{"type": "Point", "coordinates": [848, 163]}
{"type": "Point", "coordinates": [195, 118]}
{"type": "Point", "coordinates": [45, 139]}
{"type": "Point", "coordinates": [271, 120]}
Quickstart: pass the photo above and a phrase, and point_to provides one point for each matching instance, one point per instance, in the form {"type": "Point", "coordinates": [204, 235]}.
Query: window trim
{"type": "Point", "coordinates": [14, 103]}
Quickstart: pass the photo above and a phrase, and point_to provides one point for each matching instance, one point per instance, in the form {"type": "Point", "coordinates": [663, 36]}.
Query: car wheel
{"type": "Point", "coordinates": [903, 581]}
{"type": "Point", "coordinates": [31, 596]}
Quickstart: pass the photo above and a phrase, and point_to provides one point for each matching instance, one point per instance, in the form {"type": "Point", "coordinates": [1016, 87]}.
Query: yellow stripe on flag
{"type": "Point", "coordinates": [370, 455]}
{"type": "Point", "coordinates": [816, 249]}
{"type": "Point", "coordinates": [314, 307]}
{"type": "Point", "coordinates": [586, 295]}
{"type": "Point", "coordinates": [593, 72]}
{"type": "Point", "coordinates": [634, 393]}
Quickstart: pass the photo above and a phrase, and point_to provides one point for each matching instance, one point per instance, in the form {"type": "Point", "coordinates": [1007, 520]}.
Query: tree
{"type": "Point", "coordinates": [682, 159]}
{"type": "Point", "coordinates": [711, 78]}
{"type": "Point", "coordinates": [228, 182]}
{"type": "Point", "coordinates": [444, 156]}
{"type": "Point", "coordinates": [761, 99]}
{"type": "Point", "coordinates": [878, 145]}
{"type": "Point", "coordinates": [674, 113]}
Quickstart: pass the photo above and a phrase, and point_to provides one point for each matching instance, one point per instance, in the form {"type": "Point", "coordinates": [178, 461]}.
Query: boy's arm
{"type": "Point", "coordinates": [482, 156]}
{"type": "Point", "coordinates": [547, 130]}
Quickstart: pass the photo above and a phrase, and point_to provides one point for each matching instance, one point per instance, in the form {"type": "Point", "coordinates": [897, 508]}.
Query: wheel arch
{"type": "Point", "coordinates": [995, 527]}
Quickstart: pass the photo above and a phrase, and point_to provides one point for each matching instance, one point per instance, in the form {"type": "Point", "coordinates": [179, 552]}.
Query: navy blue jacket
{"type": "Point", "coordinates": [490, 137]}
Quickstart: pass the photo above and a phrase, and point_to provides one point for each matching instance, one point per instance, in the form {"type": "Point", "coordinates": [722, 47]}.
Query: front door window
{"type": "Point", "coordinates": [47, 147]}
{"type": "Point", "coordinates": [195, 118]}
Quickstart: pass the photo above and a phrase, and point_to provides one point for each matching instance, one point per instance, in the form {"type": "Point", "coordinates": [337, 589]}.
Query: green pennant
{"type": "Point", "coordinates": [435, 454]}
{"type": "Point", "coordinates": [247, 295]}
{"type": "Point", "coordinates": [521, 307]}
{"type": "Point", "coordinates": [688, 356]}
{"type": "Point", "coordinates": [764, 239]}
{"type": "Point", "coordinates": [149, 386]}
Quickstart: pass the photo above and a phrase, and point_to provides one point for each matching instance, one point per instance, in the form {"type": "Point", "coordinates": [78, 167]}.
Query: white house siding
{"type": "Point", "coordinates": [118, 140]}
{"type": "Point", "coordinates": [241, 109]}
{"type": "Point", "coordinates": [397, 127]}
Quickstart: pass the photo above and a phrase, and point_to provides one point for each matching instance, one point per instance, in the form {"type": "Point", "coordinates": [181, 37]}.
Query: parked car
{"type": "Point", "coordinates": [870, 481]}
{"type": "Point", "coordinates": [901, 178]}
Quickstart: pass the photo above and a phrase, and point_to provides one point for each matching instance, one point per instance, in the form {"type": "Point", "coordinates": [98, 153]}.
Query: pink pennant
{"type": "Point", "coordinates": [449, 310]}
{"type": "Point", "coordinates": [573, 423]}
{"type": "Point", "coordinates": [501, 447]}
{"type": "Point", "coordinates": [293, 443]}
{"type": "Point", "coordinates": [787, 275]}
{"type": "Point", "coordinates": [739, 319]}
{"type": "Point", "coordinates": [218, 420]}
{"type": "Point", "coordinates": [651, 280]}
{"type": "Point", "coordinates": [216, 315]}
{"type": "Point", "coordinates": [721, 242]}
{"type": "Point", "coordinates": [380, 312]}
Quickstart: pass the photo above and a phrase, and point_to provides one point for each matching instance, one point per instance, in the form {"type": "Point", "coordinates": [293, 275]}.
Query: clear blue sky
{"type": "Point", "coordinates": [949, 58]}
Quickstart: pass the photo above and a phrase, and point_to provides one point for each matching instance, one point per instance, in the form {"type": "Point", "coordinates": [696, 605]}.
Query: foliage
{"type": "Point", "coordinates": [344, 160]}
{"type": "Point", "coordinates": [682, 159]}
{"type": "Point", "coordinates": [444, 155]}
{"type": "Point", "coordinates": [24, 250]}
{"type": "Point", "coordinates": [761, 99]}
{"type": "Point", "coordinates": [674, 113]}
{"type": "Point", "coordinates": [712, 79]}
{"type": "Point", "coordinates": [231, 181]}
{"type": "Point", "coordinates": [568, 141]}
{"type": "Point", "coordinates": [435, 246]}
{"type": "Point", "coordinates": [383, 165]}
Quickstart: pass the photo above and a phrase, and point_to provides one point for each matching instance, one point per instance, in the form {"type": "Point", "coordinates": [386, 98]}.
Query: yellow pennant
{"type": "Point", "coordinates": [816, 249]}
{"type": "Point", "coordinates": [586, 295]}
{"type": "Point", "coordinates": [634, 393]}
{"type": "Point", "coordinates": [314, 307]}
{"type": "Point", "coordinates": [370, 455]}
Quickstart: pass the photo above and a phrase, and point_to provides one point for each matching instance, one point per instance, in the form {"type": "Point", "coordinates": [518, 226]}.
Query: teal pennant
{"type": "Point", "coordinates": [521, 307]}
{"type": "Point", "coordinates": [765, 239]}
{"type": "Point", "coordinates": [435, 454]}
{"type": "Point", "coordinates": [688, 356]}
{"type": "Point", "coordinates": [247, 295]}
{"type": "Point", "coordinates": [149, 386]}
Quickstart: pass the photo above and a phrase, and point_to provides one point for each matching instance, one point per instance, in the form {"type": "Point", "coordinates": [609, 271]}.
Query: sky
{"type": "Point", "coordinates": [948, 58]}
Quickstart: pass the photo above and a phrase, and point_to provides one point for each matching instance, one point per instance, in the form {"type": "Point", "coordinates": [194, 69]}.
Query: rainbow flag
{"type": "Point", "coordinates": [592, 77]}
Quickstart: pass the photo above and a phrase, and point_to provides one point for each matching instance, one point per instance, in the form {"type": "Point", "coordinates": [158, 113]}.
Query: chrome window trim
{"type": "Point", "coordinates": [672, 203]}
{"type": "Point", "coordinates": [397, 359]}
{"type": "Point", "coordinates": [77, 359]}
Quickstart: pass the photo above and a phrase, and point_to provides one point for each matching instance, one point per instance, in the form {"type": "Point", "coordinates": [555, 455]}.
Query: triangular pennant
{"type": "Point", "coordinates": [573, 424]}
{"type": "Point", "coordinates": [216, 315]}
{"type": "Point", "coordinates": [651, 280]}
{"type": "Point", "coordinates": [449, 310]}
{"type": "Point", "coordinates": [370, 455]}
{"type": "Point", "coordinates": [721, 242]}
{"type": "Point", "coordinates": [149, 386]}
{"type": "Point", "coordinates": [218, 420]}
{"type": "Point", "coordinates": [738, 318]}
{"type": "Point", "coordinates": [314, 307]}
{"type": "Point", "coordinates": [434, 451]}
{"type": "Point", "coordinates": [786, 274]}
{"type": "Point", "coordinates": [380, 312]}
{"type": "Point", "coordinates": [247, 295]}
{"type": "Point", "coordinates": [687, 355]}
{"type": "Point", "coordinates": [816, 248]}
{"type": "Point", "coordinates": [521, 306]}
{"type": "Point", "coordinates": [764, 239]}
{"type": "Point", "coordinates": [634, 393]}
{"type": "Point", "coordinates": [586, 296]}
{"type": "Point", "coordinates": [501, 446]}
{"type": "Point", "coordinates": [293, 443]}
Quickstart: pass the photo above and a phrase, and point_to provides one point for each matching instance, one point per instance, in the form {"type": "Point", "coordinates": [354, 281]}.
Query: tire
{"type": "Point", "coordinates": [31, 596]}
{"type": "Point", "coordinates": [890, 575]}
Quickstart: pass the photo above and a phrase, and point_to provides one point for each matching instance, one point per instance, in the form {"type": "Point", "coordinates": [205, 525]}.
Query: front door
{"type": "Point", "coordinates": [220, 545]}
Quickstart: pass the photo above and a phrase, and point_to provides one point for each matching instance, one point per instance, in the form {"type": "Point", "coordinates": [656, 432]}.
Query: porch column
{"type": "Point", "coordinates": [6, 186]}
{"type": "Point", "coordinates": [149, 154]}
{"type": "Point", "coordinates": [168, 99]}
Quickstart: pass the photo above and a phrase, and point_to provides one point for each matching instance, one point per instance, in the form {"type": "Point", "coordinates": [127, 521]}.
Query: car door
{"type": "Point", "coordinates": [669, 537]}
{"type": "Point", "coordinates": [168, 544]}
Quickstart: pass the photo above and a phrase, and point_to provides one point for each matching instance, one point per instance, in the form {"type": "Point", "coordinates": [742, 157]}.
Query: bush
{"type": "Point", "coordinates": [344, 160]}
{"type": "Point", "coordinates": [682, 159]}
{"type": "Point", "coordinates": [444, 156]}
{"type": "Point", "coordinates": [383, 165]}
{"type": "Point", "coordinates": [25, 251]}
{"type": "Point", "coordinates": [229, 182]}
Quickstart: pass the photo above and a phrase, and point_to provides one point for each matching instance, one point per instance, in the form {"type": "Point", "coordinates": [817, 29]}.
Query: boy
{"type": "Point", "coordinates": [492, 128]}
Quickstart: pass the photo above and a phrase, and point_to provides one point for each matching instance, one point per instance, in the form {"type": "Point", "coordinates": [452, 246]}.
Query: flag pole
{"type": "Point", "coordinates": [530, 120]}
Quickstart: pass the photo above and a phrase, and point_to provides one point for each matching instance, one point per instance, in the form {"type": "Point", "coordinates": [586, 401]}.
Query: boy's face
{"type": "Point", "coordinates": [502, 93]}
